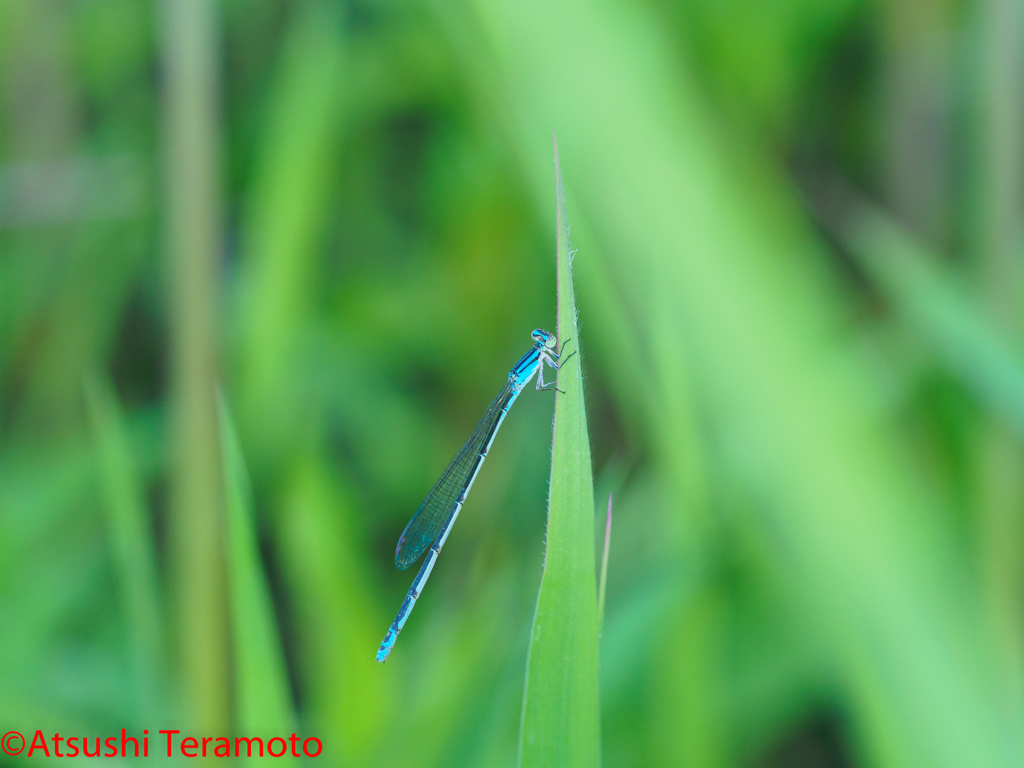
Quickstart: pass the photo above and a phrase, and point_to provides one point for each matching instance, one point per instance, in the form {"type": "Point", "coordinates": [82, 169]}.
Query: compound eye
{"type": "Point", "coordinates": [539, 334]}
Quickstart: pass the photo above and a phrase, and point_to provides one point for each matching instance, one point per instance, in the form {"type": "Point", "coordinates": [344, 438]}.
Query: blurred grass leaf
{"type": "Point", "coordinates": [561, 721]}
{"type": "Point", "coordinates": [322, 557]}
{"type": "Point", "coordinates": [285, 220]}
{"type": "Point", "coordinates": [131, 533]}
{"type": "Point", "coordinates": [262, 696]}
{"type": "Point", "coordinates": [941, 311]}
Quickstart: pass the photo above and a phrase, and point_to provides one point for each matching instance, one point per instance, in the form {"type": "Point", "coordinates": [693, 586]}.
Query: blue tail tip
{"type": "Point", "coordinates": [386, 646]}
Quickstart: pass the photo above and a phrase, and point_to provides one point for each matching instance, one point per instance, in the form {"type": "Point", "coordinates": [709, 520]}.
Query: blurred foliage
{"type": "Point", "coordinates": [806, 399]}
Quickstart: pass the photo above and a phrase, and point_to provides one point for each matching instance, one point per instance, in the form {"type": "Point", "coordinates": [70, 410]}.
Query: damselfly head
{"type": "Point", "coordinates": [543, 337]}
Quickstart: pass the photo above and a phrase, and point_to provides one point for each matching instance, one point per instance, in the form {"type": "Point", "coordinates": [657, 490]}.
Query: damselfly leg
{"type": "Point", "coordinates": [543, 386]}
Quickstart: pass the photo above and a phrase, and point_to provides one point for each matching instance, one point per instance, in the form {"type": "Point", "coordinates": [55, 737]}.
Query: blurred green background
{"type": "Point", "coordinates": [801, 294]}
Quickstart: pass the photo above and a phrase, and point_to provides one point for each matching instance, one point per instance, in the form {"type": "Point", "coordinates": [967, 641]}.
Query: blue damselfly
{"type": "Point", "coordinates": [433, 520]}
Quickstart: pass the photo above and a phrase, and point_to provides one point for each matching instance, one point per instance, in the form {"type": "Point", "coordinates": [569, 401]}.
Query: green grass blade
{"type": "Point", "coordinates": [560, 722]}
{"type": "Point", "coordinates": [124, 506]}
{"type": "Point", "coordinates": [602, 585]}
{"type": "Point", "coordinates": [262, 697]}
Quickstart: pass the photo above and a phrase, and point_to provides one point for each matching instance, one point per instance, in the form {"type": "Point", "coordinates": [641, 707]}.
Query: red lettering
{"type": "Point", "coordinates": [226, 746]}
{"type": "Point", "coordinates": [41, 745]}
{"type": "Point", "coordinates": [145, 744]}
{"type": "Point", "coordinates": [270, 747]}
{"type": "Point", "coordinates": [248, 745]}
{"type": "Point", "coordinates": [85, 747]}
{"type": "Point", "coordinates": [111, 744]}
{"type": "Point", "coordinates": [319, 747]}
{"type": "Point", "coordinates": [185, 745]}
{"type": "Point", "coordinates": [169, 740]}
{"type": "Point", "coordinates": [72, 746]}
{"type": "Point", "coordinates": [293, 738]}
{"type": "Point", "coordinates": [56, 745]}
{"type": "Point", "coordinates": [124, 743]}
{"type": "Point", "coordinates": [206, 741]}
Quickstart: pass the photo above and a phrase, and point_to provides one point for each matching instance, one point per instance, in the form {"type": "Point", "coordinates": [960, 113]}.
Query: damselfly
{"type": "Point", "coordinates": [434, 519]}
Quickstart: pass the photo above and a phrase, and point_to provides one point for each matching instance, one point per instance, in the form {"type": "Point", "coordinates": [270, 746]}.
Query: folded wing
{"type": "Point", "coordinates": [439, 505]}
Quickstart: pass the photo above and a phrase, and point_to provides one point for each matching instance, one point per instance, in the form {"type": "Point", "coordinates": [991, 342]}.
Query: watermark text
{"type": "Point", "coordinates": [168, 743]}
